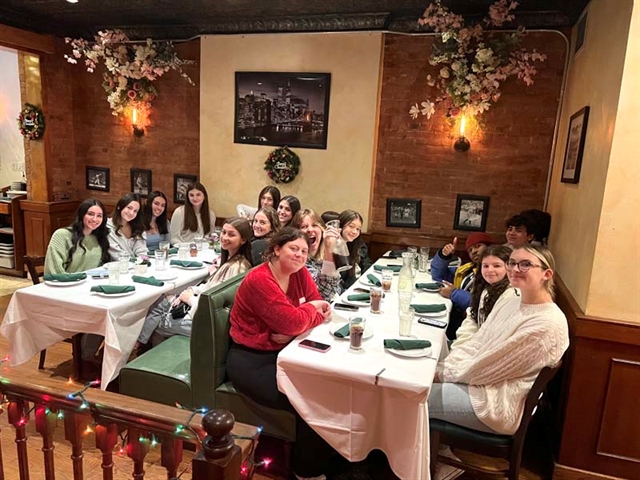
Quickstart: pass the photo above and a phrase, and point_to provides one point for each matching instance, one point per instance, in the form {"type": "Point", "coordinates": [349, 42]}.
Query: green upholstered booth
{"type": "Point", "coordinates": [191, 371]}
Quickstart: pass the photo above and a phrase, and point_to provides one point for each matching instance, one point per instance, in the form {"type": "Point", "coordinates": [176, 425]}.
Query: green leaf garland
{"type": "Point", "coordinates": [282, 165]}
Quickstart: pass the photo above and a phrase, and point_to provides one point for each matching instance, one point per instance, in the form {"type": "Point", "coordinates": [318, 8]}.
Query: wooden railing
{"type": "Point", "coordinates": [110, 416]}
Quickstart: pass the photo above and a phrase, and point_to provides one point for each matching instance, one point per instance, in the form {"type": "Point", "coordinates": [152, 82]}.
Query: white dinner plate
{"type": "Point", "coordinates": [443, 313]}
{"type": "Point", "coordinates": [416, 353]}
{"type": "Point", "coordinates": [344, 299]}
{"type": "Point", "coordinates": [113, 295]}
{"type": "Point", "coordinates": [64, 284]}
{"type": "Point", "coordinates": [188, 268]}
{"type": "Point", "coordinates": [365, 281]}
{"type": "Point", "coordinates": [165, 275]}
{"type": "Point", "coordinates": [368, 330]}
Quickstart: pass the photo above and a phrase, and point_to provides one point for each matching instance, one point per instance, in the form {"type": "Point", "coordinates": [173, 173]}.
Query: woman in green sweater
{"type": "Point", "coordinates": [83, 245]}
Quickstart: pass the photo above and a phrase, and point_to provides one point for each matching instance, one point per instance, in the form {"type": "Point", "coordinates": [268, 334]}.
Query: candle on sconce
{"type": "Point", "coordinates": [462, 144]}
{"type": "Point", "coordinates": [137, 131]}
{"type": "Point", "coordinates": [134, 120]}
{"type": "Point", "coordinates": [463, 124]}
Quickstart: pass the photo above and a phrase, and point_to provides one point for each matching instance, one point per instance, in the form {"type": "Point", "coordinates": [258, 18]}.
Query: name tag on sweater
{"type": "Point", "coordinates": [302, 300]}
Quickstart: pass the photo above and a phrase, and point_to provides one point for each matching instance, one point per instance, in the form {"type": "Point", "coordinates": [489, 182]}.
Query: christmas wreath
{"type": "Point", "coordinates": [31, 122]}
{"type": "Point", "coordinates": [282, 165]}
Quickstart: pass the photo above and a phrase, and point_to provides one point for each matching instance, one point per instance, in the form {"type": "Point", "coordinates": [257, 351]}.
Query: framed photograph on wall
{"type": "Point", "coordinates": [141, 182]}
{"type": "Point", "coordinates": [180, 183]}
{"type": "Point", "coordinates": [282, 109]}
{"type": "Point", "coordinates": [97, 179]}
{"type": "Point", "coordinates": [471, 213]}
{"type": "Point", "coordinates": [404, 212]}
{"type": "Point", "coordinates": [575, 146]}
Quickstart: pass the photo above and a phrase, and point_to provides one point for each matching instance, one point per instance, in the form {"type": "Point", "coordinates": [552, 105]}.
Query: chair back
{"type": "Point", "coordinates": [32, 262]}
{"type": "Point", "coordinates": [210, 340]}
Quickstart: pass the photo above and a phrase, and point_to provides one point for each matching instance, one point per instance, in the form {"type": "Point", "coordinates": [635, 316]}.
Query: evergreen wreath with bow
{"type": "Point", "coordinates": [31, 122]}
{"type": "Point", "coordinates": [282, 165]}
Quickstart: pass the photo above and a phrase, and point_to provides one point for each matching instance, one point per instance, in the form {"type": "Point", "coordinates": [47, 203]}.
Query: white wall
{"type": "Point", "coordinates": [11, 142]}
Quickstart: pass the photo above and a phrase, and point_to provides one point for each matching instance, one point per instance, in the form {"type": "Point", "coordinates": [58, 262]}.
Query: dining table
{"type": "Point", "coordinates": [375, 398]}
{"type": "Point", "coordinates": [41, 315]}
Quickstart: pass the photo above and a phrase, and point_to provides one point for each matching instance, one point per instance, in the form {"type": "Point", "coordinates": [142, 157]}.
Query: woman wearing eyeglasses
{"type": "Point", "coordinates": [483, 384]}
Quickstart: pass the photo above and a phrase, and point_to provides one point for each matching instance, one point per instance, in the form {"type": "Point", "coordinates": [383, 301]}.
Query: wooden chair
{"type": "Point", "coordinates": [508, 447]}
{"type": "Point", "coordinates": [32, 263]}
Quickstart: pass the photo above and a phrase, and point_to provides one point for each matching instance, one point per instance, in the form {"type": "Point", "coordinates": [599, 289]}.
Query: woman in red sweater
{"type": "Point", "coordinates": [277, 301]}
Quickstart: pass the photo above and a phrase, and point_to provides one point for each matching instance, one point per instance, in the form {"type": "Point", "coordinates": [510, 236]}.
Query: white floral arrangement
{"type": "Point", "coordinates": [131, 67]}
{"type": "Point", "coordinates": [472, 62]}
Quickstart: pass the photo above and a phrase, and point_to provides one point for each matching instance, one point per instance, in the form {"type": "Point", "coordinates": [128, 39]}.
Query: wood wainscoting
{"type": "Point", "coordinates": [599, 419]}
{"type": "Point", "coordinates": [41, 219]}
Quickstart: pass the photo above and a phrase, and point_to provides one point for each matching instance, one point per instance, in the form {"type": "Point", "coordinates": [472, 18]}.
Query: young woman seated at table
{"type": "Point", "coordinates": [491, 289]}
{"type": "Point", "coordinates": [81, 246]}
{"type": "Point", "coordinates": [320, 259]}
{"type": "Point", "coordinates": [277, 300]}
{"type": "Point", "coordinates": [126, 228]}
{"type": "Point", "coordinates": [265, 225]}
{"type": "Point", "coordinates": [287, 208]}
{"type": "Point", "coordinates": [235, 259]}
{"type": "Point", "coordinates": [350, 229]}
{"type": "Point", "coordinates": [194, 217]}
{"type": "Point", "coordinates": [154, 216]}
{"type": "Point", "coordinates": [485, 381]}
{"type": "Point", "coordinates": [269, 196]}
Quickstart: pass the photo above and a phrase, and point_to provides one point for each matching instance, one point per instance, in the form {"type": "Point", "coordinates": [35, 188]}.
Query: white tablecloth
{"type": "Point", "coordinates": [42, 315]}
{"type": "Point", "coordinates": [336, 392]}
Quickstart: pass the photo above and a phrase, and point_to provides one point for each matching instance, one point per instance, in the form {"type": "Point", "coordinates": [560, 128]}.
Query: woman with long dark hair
{"type": "Point", "coordinates": [265, 225]}
{"type": "Point", "coordinates": [126, 228]}
{"type": "Point", "coordinates": [194, 217]}
{"type": "Point", "coordinates": [269, 196]}
{"type": "Point", "coordinates": [350, 229]}
{"type": "Point", "coordinates": [154, 216]}
{"type": "Point", "coordinates": [83, 245]}
{"type": "Point", "coordinates": [287, 208]}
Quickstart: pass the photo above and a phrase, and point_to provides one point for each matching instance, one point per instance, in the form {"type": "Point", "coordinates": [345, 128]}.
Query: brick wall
{"type": "Point", "coordinates": [86, 133]}
{"type": "Point", "coordinates": [508, 159]}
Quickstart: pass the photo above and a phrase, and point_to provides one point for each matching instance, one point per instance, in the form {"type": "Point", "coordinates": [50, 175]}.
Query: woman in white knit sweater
{"type": "Point", "coordinates": [483, 384]}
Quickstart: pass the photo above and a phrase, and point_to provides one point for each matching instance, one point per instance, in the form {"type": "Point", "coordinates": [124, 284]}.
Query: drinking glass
{"type": "Point", "coordinates": [198, 239]}
{"type": "Point", "coordinates": [404, 300]}
{"type": "Point", "coordinates": [114, 272]}
{"type": "Point", "coordinates": [387, 278]}
{"type": "Point", "coordinates": [123, 258]}
{"type": "Point", "coordinates": [376, 299]}
{"type": "Point", "coordinates": [161, 256]}
{"type": "Point", "coordinates": [406, 319]}
{"type": "Point", "coordinates": [423, 262]}
{"type": "Point", "coordinates": [183, 251]}
{"type": "Point", "coordinates": [356, 333]}
{"type": "Point", "coordinates": [164, 246]}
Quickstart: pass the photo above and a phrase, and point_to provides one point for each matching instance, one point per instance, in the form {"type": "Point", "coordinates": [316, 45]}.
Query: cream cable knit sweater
{"type": "Point", "coordinates": [503, 359]}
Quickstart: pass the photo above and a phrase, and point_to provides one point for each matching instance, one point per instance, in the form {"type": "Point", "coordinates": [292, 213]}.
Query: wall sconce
{"type": "Point", "coordinates": [137, 131]}
{"type": "Point", "coordinates": [462, 143]}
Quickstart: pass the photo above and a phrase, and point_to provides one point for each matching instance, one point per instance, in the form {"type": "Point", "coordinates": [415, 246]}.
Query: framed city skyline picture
{"type": "Point", "coordinates": [282, 109]}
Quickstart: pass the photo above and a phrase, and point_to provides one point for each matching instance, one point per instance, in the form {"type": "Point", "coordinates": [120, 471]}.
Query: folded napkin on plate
{"type": "Point", "coordinates": [342, 332]}
{"type": "Point", "coordinates": [429, 286]}
{"type": "Point", "coordinates": [113, 289]}
{"type": "Point", "coordinates": [398, 344]}
{"type": "Point", "coordinates": [217, 249]}
{"type": "Point", "coordinates": [373, 279]}
{"type": "Point", "coordinates": [172, 251]}
{"type": "Point", "coordinates": [185, 263]}
{"type": "Point", "coordinates": [433, 308]}
{"type": "Point", "coordinates": [359, 297]}
{"type": "Point", "coordinates": [379, 268]}
{"type": "Point", "coordinates": [147, 280]}
{"type": "Point", "coordinates": [64, 277]}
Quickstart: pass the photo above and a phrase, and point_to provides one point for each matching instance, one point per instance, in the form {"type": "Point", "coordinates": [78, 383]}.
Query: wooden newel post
{"type": "Point", "coordinates": [220, 458]}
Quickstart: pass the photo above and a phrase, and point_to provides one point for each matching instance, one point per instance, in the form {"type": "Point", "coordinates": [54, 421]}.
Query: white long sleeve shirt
{"type": "Point", "coordinates": [176, 229]}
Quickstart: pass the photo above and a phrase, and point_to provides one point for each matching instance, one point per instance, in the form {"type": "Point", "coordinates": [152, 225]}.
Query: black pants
{"type": "Point", "coordinates": [456, 318]}
{"type": "Point", "coordinates": [253, 373]}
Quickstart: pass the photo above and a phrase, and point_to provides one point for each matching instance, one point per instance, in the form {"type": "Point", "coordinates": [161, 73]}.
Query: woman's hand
{"type": "Point", "coordinates": [449, 248]}
{"type": "Point", "coordinates": [280, 338]}
{"type": "Point", "coordinates": [447, 289]}
{"type": "Point", "coordinates": [322, 308]}
{"type": "Point", "coordinates": [186, 296]}
{"type": "Point", "coordinates": [330, 235]}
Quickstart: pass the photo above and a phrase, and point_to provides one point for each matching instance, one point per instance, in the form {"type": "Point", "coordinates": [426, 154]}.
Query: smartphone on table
{"type": "Point", "coordinates": [433, 322]}
{"type": "Point", "coordinates": [313, 345]}
{"type": "Point", "coordinates": [345, 307]}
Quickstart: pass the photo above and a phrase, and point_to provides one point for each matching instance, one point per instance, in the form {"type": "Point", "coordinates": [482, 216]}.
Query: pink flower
{"type": "Point", "coordinates": [136, 86]}
{"type": "Point", "coordinates": [131, 94]}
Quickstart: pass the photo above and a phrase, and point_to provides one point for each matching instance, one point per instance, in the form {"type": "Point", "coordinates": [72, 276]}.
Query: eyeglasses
{"type": "Point", "coordinates": [523, 265]}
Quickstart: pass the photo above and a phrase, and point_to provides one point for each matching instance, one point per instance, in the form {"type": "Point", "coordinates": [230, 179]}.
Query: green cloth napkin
{"type": "Point", "coordinates": [359, 297]}
{"type": "Point", "coordinates": [379, 268]}
{"type": "Point", "coordinates": [113, 289]}
{"type": "Point", "coordinates": [433, 308]}
{"type": "Point", "coordinates": [342, 332]}
{"type": "Point", "coordinates": [373, 279]}
{"type": "Point", "coordinates": [147, 280]}
{"type": "Point", "coordinates": [185, 263]}
{"type": "Point", "coordinates": [172, 251]}
{"type": "Point", "coordinates": [398, 344]}
{"type": "Point", "coordinates": [429, 286]}
{"type": "Point", "coordinates": [64, 277]}
{"type": "Point", "coordinates": [217, 249]}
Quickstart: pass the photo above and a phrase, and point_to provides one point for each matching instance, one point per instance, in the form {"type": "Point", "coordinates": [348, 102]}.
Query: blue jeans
{"type": "Point", "coordinates": [450, 402]}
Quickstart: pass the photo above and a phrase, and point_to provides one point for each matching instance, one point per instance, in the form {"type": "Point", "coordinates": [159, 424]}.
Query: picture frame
{"type": "Point", "coordinates": [97, 178]}
{"type": "Point", "coordinates": [404, 212]}
{"type": "Point", "coordinates": [471, 212]}
{"type": "Point", "coordinates": [282, 109]}
{"type": "Point", "coordinates": [180, 182]}
{"type": "Point", "coordinates": [581, 32]}
{"type": "Point", "coordinates": [574, 149]}
{"type": "Point", "coordinates": [141, 182]}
